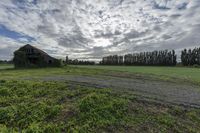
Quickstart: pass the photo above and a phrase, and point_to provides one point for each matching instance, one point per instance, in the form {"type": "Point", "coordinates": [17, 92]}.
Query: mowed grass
{"type": "Point", "coordinates": [182, 74]}
{"type": "Point", "coordinates": [164, 73]}
{"type": "Point", "coordinates": [54, 107]}
{"type": "Point", "coordinates": [39, 72]}
{"type": "Point", "coordinates": [6, 66]}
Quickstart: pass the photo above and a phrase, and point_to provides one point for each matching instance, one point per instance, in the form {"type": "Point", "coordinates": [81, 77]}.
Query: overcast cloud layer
{"type": "Point", "coordinates": [90, 29]}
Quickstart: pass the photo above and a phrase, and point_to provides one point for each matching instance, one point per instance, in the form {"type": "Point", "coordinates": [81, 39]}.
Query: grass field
{"type": "Point", "coordinates": [165, 73]}
{"type": "Point", "coordinates": [6, 66]}
{"type": "Point", "coordinates": [50, 106]}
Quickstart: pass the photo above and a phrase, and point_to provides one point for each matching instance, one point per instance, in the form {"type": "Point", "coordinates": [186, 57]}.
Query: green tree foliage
{"type": "Point", "coordinates": [79, 62]}
{"type": "Point", "coordinates": [20, 59]}
{"type": "Point", "coordinates": [190, 57]}
{"type": "Point", "coordinates": [155, 58]}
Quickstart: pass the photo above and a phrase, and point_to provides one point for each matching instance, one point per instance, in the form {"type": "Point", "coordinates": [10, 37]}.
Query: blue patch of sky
{"type": "Point", "coordinates": [5, 32]}
{"type": "Point", "coordinates": [34, 2]}
{"type": "Point", "coordinates": [23, 4]}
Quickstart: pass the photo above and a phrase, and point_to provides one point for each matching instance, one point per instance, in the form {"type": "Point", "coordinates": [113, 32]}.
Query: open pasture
{"type": "Point", "coordinates": [6, 66]}
{"type": "Point", "coordinates": [98, 99]}
{"type": "Point", "coordinates": [163, 73]}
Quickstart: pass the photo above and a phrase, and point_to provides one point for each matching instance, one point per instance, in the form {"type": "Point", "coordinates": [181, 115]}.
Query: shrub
{"type": "Point", "coordinates": [196, 66]}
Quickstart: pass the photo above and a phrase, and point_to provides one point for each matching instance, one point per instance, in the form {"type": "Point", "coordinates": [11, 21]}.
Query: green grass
{"type": "Point", "coordinates": [39, 106]}
{"type": "Point", "coordinates": [6, 66]}
{"type": "Point", "coordinates": [164, 73]}
{"type": "Point", "coordinates": [38, 72]}
{"type": "Point", "coordinates": [179, 74]}
{"type": "Point", "coordinates": [33, 106]}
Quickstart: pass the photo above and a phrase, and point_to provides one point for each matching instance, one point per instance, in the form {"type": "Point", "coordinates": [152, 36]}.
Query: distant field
{"type": "Point", "coordinates": [190, 74]}
{"type": "Point", "coordinates": [6, 66]}
{"type": "Point", "coordinates": [163, 73]}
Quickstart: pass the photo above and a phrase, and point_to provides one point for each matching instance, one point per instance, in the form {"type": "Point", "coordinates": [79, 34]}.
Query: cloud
{"type": "Point", "coordinates": [95, 28]}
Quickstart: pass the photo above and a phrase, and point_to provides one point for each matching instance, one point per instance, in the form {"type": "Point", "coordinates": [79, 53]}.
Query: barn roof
{"type": "Point", "coordinates": [39, 50]}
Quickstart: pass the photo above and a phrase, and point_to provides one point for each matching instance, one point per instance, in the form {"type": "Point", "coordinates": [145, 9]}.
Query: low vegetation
{"type": "Point", "coordinates": [33, 106]}
{"type": "Point", "coordinates": [179, 74]}
{"type": "Point", "coordinates": [43, 106]}
{"type": "Point", "coordinates": [6, 66]}
{"type": "Point", "coordinates": [175, 74]}
{"type": "Point", "coordinates": [39, 72]}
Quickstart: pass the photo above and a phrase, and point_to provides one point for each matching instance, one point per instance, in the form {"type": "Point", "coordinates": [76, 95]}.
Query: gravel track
{"type": "Point", "coordinates": [175, 93]}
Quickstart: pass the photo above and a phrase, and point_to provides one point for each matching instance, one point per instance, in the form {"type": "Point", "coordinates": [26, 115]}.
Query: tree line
{"type": "Point", "coordinates": [190, 57]}
{"type": "Point", "coordinates": [6, 61]}
{"type": "Point", "coordinates": [78, 62]}
{"type": "Point", "coordinates": [155, 58]}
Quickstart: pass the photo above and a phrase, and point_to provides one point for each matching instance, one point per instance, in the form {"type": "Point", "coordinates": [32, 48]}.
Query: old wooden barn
{"type": "Point", "coordinates": [30, 56]}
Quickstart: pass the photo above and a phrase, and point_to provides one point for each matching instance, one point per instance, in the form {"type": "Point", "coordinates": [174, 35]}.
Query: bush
{"type": "Point", "coordinates": [56, 63]}
{"type": "Point", "coordinates": [20, 59]}
{"type": "Point", "coordinates": [196, 66]}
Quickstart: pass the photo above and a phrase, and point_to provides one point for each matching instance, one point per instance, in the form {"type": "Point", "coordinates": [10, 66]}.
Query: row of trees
{"type": "Point", "coordinates": [190, 57]}
{"type": "Point", "coordinates": [155, 58]}
{"type": "Point", "coordinates": [78, 62]}
{"type": "Point", "coordinates": [112, 60]}
{"type": "Point", "coordinates": [6, 61]}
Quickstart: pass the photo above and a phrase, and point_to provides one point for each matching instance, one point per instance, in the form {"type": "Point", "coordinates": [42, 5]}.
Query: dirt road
{"type": "Point", "coordinates": [175, 93]}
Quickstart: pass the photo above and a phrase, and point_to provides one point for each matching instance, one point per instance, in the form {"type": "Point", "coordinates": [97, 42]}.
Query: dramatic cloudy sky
{"type": "Point", "coordinates": [90, 29]}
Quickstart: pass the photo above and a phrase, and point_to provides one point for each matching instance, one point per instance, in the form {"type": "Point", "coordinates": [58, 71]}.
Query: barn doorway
{"type": "Point", "coordinates": [50, 61]}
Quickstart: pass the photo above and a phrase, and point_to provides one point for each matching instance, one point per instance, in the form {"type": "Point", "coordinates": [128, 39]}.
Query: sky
{"type": "Point", "coordinates": [91, 29]}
